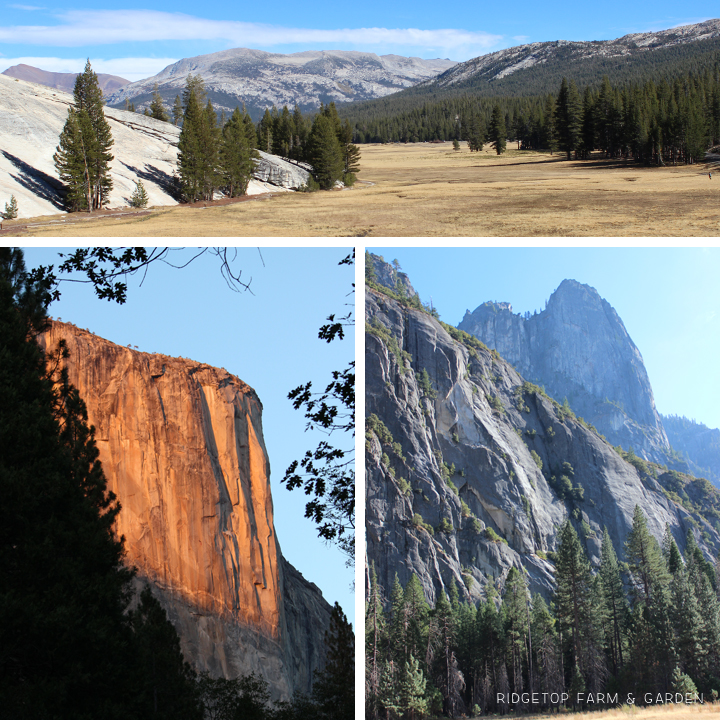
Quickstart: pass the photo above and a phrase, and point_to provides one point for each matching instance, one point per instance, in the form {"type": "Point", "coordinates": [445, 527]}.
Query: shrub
{"type": "Point", "coordinates": [426, 385]}
{"type": "Point", "coordinates": [495, 403]}
{"type": "Point", "coordinates": [491, 535]}
{"type": "Point", "coordinates": [420, 523]}
{"type": "Point", "coordinates": [445, 526]}
{"type": "Point", "coordinates": [374, 425]}
{"type": "Point", "coordinates": [465, 509]}
{"type": "Point", "coordinates": [537, 459]}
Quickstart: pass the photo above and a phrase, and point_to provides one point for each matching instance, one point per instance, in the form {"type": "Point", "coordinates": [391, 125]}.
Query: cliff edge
{"type": "Point", "coordinates": [182, 447]}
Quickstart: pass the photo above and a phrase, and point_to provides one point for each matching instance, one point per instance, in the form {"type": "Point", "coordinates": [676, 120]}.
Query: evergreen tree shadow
{"type": "Point", "coordinates": [37, 182]}
{"type": "Point", "coordinates": [165, 181]}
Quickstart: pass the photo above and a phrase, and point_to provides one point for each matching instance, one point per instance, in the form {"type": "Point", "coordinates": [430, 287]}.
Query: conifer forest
{"type": "Point", "coordinates": [671, 120]}
{"type": "Point", "coordinates": [647, 626]}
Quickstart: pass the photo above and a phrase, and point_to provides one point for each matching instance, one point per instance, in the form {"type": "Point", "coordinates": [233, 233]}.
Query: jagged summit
{"type": "Point", "coordinates": [579, 349]}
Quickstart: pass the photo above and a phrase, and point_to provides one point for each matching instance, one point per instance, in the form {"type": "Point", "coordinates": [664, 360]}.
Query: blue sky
{"type": "Point", "coordinates": [136, 40]}
{"type": "Point", "coordinates": [668, 299]}
{"type": "Point", "coordinates": [269, 340]}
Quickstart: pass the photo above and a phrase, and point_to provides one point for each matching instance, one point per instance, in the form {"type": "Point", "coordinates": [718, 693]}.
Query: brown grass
{"type": "Point", "coordinates": [430, 190]}
{"type": "Point", "coordinates": [707, 711]}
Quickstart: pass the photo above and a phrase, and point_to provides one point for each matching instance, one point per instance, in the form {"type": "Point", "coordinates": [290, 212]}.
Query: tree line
{"type": "Point", "coordinates": [654, 122]}
{"type": "Point", "coordinates": [645, 626]}
{"type": "Point", "coordinates": [216, 154]}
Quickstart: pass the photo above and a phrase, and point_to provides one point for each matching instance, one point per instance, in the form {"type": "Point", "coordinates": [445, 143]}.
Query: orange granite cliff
{"type": "Point", "coordinates": [182, 447]}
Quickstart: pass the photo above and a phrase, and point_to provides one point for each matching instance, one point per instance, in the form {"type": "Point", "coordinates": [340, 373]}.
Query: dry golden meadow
{"type": "Point", "coordinates": [707, 711]}
{"type": "Point", "coordinates": [430, 190]}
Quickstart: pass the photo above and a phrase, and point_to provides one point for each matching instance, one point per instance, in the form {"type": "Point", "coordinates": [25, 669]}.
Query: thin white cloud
{"type": "Point", "coordinates": [108, 27]}
{"type": "Point", "coordinates": [131, 68]}
{"type": "Point", "coordinates": [30, 8]}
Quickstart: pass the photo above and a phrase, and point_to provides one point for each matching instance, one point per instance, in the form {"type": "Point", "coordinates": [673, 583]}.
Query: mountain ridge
{"type": "Point", "coordinates": [62, 81]}
{"type": "Point", "coordinates": [500, 64]}
{"type": "Point", "coordinates": [260, 79]}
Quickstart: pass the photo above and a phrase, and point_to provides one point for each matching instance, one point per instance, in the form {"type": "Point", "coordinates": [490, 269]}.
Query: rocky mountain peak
{"type": "Point", "coordinates": [579, 349]}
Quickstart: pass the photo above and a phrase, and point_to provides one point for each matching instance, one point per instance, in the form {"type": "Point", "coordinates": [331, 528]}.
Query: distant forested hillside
{"type": "Point", "coordinates": [617, 104]}
{"type": "Point", "coordinates": [662, 63]}
{"type": "Point", "coordinates": [653, 121]}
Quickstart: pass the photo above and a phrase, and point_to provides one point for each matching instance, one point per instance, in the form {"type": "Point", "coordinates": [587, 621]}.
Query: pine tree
{"type": "Point", "coordinates": [198, 151]}
{"type": "Point", "coordinates": [572, 595]}
{"type": "Point", "coordinates": [237, 153]}
{"type": "Point", "coordinates": [616, 609]}
{"type": "Point", "coordinates": [139, 198]}
{"type": "Point", "coordinates": [682, 683]}
{"type": "Point", "coordinates": [350, 154]}
{"type": "Point", "coordinates": [548, 661]}
{"type": "Point", "coordinates": [324, 152]}
{"type": "Point", "coordinates": [647, 567]}
{"type": "Point", "coordinates": [375, 632]}
{"type": "Point", "coordinates": [549, 127]}
{"type": "Point", "coordinates": [334, 686]}
{"type": "Point", "coordinates": [265, 132]}
{"type": "Point", "coordinates": [89, 98]}
{"type": "Point", "coordinates": [157, 109]}
{"type": "Point", "coordinates": [475, 133]}
{"type": "Point", "coordinates": [569, 117]}
{"type": "Point", "coordinates": [83, 156]}
{"type": "Point", "coordinates": [411, 690]}
{"type": "Point", "coordinates": [71, 161]}
{"type": "Point", "coordinates": [165, 684]}
{"type": "Point", "coordinates": [177, 110]}
{"type": "Point", "coordinates": [497, 132]}
{"type": "Point", "coordinates": [11, 209]}
{"type": "Point", "coordinates": [516, 626]}
{"type": "Point", "coordinates": [441, 657]}
{"type": "Point", "coordinates": [63, 589]}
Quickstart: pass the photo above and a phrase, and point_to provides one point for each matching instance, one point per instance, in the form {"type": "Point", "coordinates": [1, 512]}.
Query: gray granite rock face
{"type": "Point", "coordinates": [277, 171]}
{"type": "Point", "coordinates": [698, 445]}
{"type": "Point", "coordinates": [473, 428]}
{"type": "Point", "coordinates": [385, 274]}
{"type": "Point", "coordinates": [32, 117]}
{"type": "Point", "coordinates": [579, 349]}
